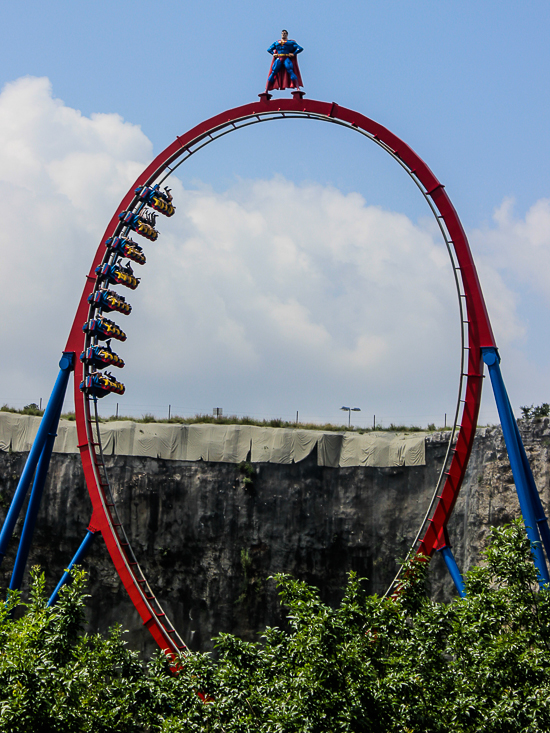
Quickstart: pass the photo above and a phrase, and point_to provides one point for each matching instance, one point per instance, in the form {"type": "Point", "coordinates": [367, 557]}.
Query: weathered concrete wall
{"type": "Point", "coordinates": [207, 543]}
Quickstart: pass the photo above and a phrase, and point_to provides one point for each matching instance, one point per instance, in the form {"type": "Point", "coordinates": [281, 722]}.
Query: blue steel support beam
{"type": "Point", "coordinates": [34, 505]}
{"type": "Point", "coordinates": [80, 555]}
{"type": "Point", "coordinates": [452, 567]}
{"type": "Point", "coordinates": [55, 402]}
{"type": "Point", "coordinates": [513, 443]}
{"type": "Point", "coordinates": [540, 517]}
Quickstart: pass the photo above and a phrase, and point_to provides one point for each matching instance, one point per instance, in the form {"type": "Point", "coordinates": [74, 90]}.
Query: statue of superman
{"type": "Point", "coordinates": [284, 72]}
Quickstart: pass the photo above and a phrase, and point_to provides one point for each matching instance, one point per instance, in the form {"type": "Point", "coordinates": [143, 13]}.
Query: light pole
{"type": "Point", "coordinates": [349, 410]}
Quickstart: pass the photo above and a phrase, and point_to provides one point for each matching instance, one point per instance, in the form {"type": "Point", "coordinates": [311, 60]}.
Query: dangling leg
{"type": "Point", "coordinates": [289, 66]}
{"type": "Point", "coordinates": [277, 65]}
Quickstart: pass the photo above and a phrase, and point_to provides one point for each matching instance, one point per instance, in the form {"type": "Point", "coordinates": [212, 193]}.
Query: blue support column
{"type": "Point", "coordinates": [517, 461]}
{"type": "Point", "coordinates": [34, 505]}
{"type": "Point", "coordinates": [540, 517]}
{"type": "Point", "coordinates": [53, 408]}
{"type": "Point", "coordinates": [452, 567]}
{"type": "Point", "coordinates": [80, 555]}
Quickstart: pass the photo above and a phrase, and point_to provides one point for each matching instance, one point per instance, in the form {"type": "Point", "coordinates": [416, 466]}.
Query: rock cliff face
{"type": "Point", "coordinates": [208, 539]}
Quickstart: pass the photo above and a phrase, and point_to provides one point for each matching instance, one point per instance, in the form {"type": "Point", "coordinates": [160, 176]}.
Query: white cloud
{"type": "Point", "coordinates": [514, 263]}
{"type": "Point", "coordinates": [61, 175]}
{"type": "Point", "coordinates": [267, 298]}
{"type": "Point", "coordinates": [520, 247]}
{"type": "Point", "coordinates": [326, 298]}
{"type": "Point", "coordinates": [513, 259]}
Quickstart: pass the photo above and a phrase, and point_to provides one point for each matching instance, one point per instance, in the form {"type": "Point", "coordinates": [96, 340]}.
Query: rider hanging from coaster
{"type": "Point", "coordinates": [284, 72]}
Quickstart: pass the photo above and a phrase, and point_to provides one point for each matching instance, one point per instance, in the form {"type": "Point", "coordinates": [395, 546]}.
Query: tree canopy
{"type": "Point", "coordinates": [404, 664]}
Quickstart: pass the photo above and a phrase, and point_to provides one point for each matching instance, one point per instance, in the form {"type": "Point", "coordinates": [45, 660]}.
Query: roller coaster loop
{"type": "Point", "coordinates": [478, 348]}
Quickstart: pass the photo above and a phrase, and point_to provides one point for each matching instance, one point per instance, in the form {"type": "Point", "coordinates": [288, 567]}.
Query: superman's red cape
{"type": "Point", "coordinates": [282, 79]}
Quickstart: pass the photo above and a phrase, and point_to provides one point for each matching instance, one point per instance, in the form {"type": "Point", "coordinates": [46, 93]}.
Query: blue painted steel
{"type": "Point", "coordinates": [540, 517]}
{"type": "Point", "coordinates": [34, 505]}
{"type": "Point", "coordinates": [513, 442]}
{"type": "Point", "coordinates": [452, 567]}
{"type": "Point", "coordinates": [80, 554]}
{"type": "Point", "coordinates": [55, 402]}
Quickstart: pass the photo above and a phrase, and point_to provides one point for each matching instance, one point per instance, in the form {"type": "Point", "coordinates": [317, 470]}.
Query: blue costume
{"type": "Point", "coordinates": [284, 64]}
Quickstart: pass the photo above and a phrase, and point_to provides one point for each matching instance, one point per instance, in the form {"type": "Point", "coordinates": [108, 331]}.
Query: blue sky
{"type": "Point", "coordinates": [464, 83]}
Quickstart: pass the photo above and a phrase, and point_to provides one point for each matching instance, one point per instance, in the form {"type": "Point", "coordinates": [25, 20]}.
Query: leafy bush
{"type": "Point", "coordinates": [54, 678]}
{"type": "Point", "coordinates": [248, 474]}
{"type": "Point", "coordinates": [402, 664]}
{"type": "Point", "coordinates": [393, 665]}
{"type": "Point", "coordinates": [31, 409]}
{"type": "Point", "coordinates": [539, 411]}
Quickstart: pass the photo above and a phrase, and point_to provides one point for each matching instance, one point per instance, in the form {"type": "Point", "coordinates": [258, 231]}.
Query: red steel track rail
{"type": "Point", "coordinates": [478, 328]}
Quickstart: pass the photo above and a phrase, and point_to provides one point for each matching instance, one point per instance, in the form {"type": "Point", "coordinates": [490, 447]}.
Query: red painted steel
{"type": "Point", "coordinates": [478, 327]}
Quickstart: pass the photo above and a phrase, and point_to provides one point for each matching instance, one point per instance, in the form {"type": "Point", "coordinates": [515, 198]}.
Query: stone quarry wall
{"type": "Point", "coordinates": [208, 540]}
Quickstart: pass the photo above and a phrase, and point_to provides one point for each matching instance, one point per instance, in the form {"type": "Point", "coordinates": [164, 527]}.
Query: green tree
{"type": "Point", "coordinates": [397, 665]}
{"type": "Point", "coordinates": [55, 678]}
{"type": "Point", "coordinates": [535, 411]}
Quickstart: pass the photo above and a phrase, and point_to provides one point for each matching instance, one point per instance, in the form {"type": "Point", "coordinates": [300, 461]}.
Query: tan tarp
{"type": "Point", "coordinates": [382, 449]}
{"type": "Point", "coordinates": [226, 443]}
